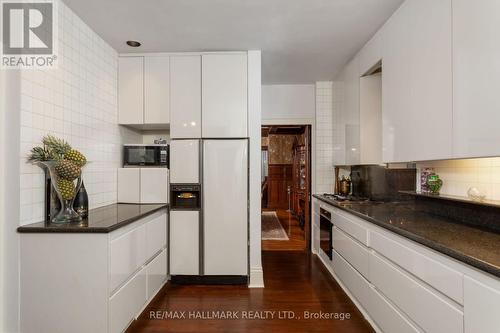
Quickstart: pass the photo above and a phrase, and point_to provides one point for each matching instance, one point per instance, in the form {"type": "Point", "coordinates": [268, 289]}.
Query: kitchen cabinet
{"type": "Point", "coordinates": [224, 95]}
{"type": "Point", "coordinates": [225, 204]}
{"type": "Point", "coordinates": [113, 278]}
{"type": "Point", "coordinates": [154, 185]}
{"type": "Point", "coordinates": [156, 90]}
{"type": "Point", "coordinates": [185, 97]}
{"type": "Point", "coordinates": [476, 64]}
{"type": "Point", "coordinates": [351, 112]}
{"type": "Point", "coordinates": [129, 185]}
{"type": "Point", "coordinates": [143, 185]}
{"type": "Point", "coordinates": [482, 302]}
{"type": "Point", "coordinates": [358, 121]}
{"type": "Point", "coordinates": [185, 161]}
{"type": "Point", "coordinates": [417, 82]}
{"type": "Point", "coordinates": [184, 242]}
{"type": "Point", "coordinates": [130, 90]}
{"type": "Point", "coordinates": [370, 119]}
{"type": "Point", "coordinates": [143, 91]}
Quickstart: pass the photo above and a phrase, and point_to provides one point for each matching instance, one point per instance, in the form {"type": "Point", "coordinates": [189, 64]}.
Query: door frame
{"type": "Point", "coordinates": [296, 122]}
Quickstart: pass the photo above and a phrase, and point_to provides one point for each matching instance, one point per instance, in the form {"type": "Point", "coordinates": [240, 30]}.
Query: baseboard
{"type": "Point", "coordinates": [256, 278]}
{"type": "Point", "coordinates": [209, 279]}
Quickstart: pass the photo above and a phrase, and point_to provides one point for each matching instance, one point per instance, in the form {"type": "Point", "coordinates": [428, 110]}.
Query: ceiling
{"type": "Point", "coordinates": [302, 41]}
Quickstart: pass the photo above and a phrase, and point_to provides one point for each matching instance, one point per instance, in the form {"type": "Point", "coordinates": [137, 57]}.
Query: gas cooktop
{"type": "Point", "coordinates": [349, 198]}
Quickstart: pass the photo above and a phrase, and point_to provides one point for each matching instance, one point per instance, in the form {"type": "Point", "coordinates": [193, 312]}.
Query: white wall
{"type": "Point", "coordinates": [460, 175]}
{"type": "Point", "coordinates": [288, 102]}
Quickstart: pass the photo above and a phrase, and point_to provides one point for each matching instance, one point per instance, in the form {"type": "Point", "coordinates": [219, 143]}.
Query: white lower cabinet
{"type": "Point", "coordinates": [126, 303]}
{"type": "Point", "coordinates": [426, 308]}
{"type": "Point", "coordinates": [356, 254]}
{"type": "Point", "coordinates": [143, 185]}
{"type": "Point", "coordinates": [402, 286]}
{"type": "Point", "coordinates": [157, 271]}
{"type": "Point", "coordinates": [482, 305]}
{"type": "Point", "coordinates": [94, 282]}
{"type": "Point", "coordinates": [184, 242]}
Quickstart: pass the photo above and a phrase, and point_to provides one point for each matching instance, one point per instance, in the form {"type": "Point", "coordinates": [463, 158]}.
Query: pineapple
{"type": "Point", "coordinates": [58, 147]}
{"type": "Point", "coordinates": [76, 157]}
{"type": "Point", "coordinates": [68, 170]}
{"type": "Point", "coordinates": [66, 188]}
{"type": "Point", "coordinates": [40, 154]}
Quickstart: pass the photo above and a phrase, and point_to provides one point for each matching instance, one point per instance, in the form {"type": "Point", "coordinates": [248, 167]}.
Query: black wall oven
{"type": "Point", "coordinates": [325, 234]}
{"type": "Point", "coordinates": [146, 155]}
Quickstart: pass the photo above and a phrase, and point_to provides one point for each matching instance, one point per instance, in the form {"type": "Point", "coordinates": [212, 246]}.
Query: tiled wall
{"type": "Point", "coordinates": [324, 138]}
{"type": "Point", "coordinates": [459, 175]}
{"type": "Point", "coordinates": [78, 102]}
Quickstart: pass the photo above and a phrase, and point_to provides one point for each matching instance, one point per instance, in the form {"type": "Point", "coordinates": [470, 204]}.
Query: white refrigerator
{"type": "Point", "coordinates": [223, 222]}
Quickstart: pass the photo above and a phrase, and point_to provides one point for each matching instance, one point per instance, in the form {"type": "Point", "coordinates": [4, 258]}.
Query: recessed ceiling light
{"type": "Point", "coordinates": [133, 43]}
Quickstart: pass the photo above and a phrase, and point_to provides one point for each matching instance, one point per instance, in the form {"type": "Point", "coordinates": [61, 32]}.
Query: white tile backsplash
{"type": "Point", "coordinates": [324, 137]}
{"type": "Point", "coordinates": [78, 102]}
{"type": "Point", "coordinates": [460, 175]}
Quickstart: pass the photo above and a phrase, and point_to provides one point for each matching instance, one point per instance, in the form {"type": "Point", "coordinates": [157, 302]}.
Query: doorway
{"type": "Point", "coordinates": [286, 187]}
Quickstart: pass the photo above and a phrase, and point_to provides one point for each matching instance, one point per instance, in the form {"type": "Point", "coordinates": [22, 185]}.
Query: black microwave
{"type": "Point", "coordinates": [146, 155]}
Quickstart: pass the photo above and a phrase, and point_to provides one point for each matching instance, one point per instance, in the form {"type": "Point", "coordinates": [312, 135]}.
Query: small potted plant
{"type": "Point", "coordinates": [64, 165]}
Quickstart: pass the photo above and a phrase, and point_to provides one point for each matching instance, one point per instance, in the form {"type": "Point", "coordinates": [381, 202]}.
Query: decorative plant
{"type": "Point", "coordinates": [64, 165]}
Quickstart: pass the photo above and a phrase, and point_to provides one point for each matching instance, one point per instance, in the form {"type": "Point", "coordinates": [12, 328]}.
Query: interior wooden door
{"type": "Point", "coordinates": [280, 176]}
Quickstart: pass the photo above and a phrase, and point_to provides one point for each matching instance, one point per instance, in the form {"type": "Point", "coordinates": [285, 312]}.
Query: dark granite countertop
{"type": "Point", "coordinates": [474, 246]}
{"type": "Point", "coordinates": [100, 220]}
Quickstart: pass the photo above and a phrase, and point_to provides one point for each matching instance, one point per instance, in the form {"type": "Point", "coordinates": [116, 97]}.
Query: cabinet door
{"type": "Point", "coordinates": [371, 54]}
{"type": "Point", "coordinates": [130, 90]}
{"type": "Point", "coordinates": [129, 185]}
{"type": "Point", "coordinates": [431, 113]}
{"type": "Point", "coordinates": [154, 185]}
{"type": "Point", "coordinates": [156, 273]}
{"type": "Point", "coordinates": [476, 64]}
{"type": "Point", "coordinates": [184, 161]}
{"type": "Point", "coordinates": [224, 95]}
{"type": "Point", "coordinates": [416, 82]}
{"type": "Point", "coordinates": [481, 306]}
{"type": "Point", "coordinates": [351, 112]}
{"type": "Point", "coordinates": [156, 90]}
{"type": "Point", "coordinates": [225, 204]}
{"type": "Point", "coordinates": [184, 242]}
{"type": "Point", "coordinates": [370, 122]}
{"type": "Point", "coordinates": [395, 89]}
{"type": "Point", "coordinates": [185, 97]}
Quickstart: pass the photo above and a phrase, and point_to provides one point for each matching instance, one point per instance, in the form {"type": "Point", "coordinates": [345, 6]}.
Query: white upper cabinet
{"type": "Point", "coordinates": [143, 90]}
{"type": "Point", "coordinates": [156, 90]}
{"type": "Point", "coordinates": [417, 82]}
{"type": "Point", "coordinates": [370, 119]}
{"type": "Point", "coordinates": [185, 97]}
{"type": "Point", "coordinates": [351, 111]}
{"type": "Point", "coordinates": [130, 90]}
{"type": "Point", "coordinates": [224, 95]}
{"type": "Point", "coordinates": [476, 68]}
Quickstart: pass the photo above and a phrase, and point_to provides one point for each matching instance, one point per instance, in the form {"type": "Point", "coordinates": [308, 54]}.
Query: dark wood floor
{"type": "Point", "coordinates": [296, 241]}
{"type": "Point", "coordinates": [295, 281]}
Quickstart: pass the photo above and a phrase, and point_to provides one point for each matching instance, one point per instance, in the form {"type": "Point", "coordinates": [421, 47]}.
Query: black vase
{"type": "Point", "coordinates": [81, 203]}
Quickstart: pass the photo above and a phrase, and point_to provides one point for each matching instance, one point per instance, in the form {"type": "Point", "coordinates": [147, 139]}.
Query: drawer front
{"type": "Point", "coordinates": [352, 228]}
{"type": "Point", "coordinates": [127, 254]}
{"type": "Point", "coordinates": [428, 310]}
{"type": "Point", "coordinates": [126, 303]}
{"type": "Point", "coordinates": [156, 235]}
{"type": "Point", "coordinates": [386, 316]}
{"type": "Point", "coordinates": [356, 254]}
{"type": "Point", "coordinates": [157, 273]}
{"type": "Point", "coordinates": [444, 279]}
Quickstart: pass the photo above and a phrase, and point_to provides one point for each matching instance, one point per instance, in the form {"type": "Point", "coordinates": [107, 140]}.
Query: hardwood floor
{"type": "Point", "coordinates": [292, 228]}
{"type": "Point", "coordinates": [295, 282]}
